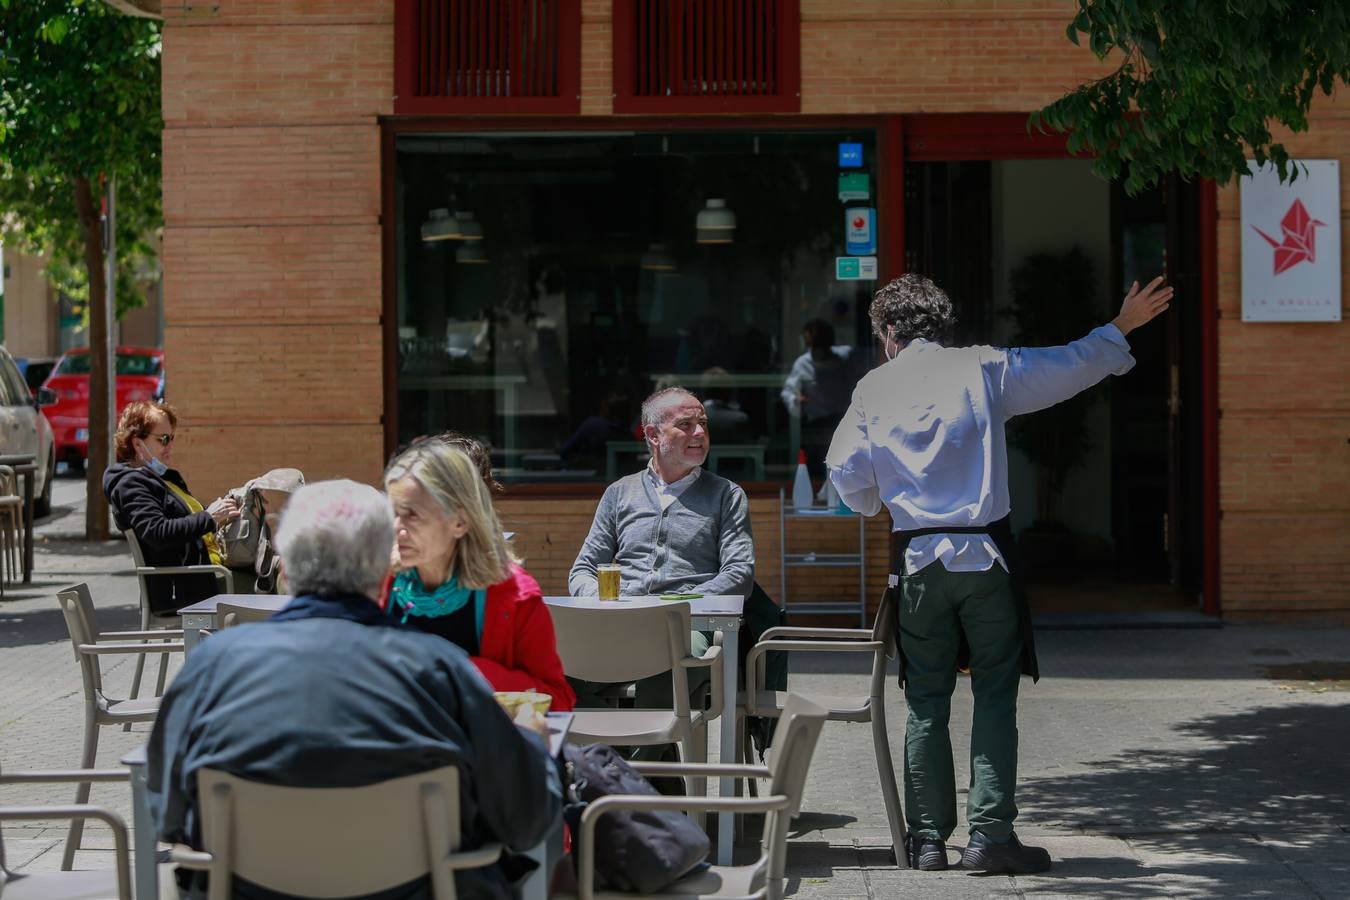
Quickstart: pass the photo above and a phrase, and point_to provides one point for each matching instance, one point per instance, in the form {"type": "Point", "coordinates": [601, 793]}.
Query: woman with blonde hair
{"type": "Point", "coordinates": [458, 577]}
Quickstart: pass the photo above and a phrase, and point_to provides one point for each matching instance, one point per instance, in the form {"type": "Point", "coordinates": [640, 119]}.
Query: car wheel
{"type": "Point", "coordinates": [42, 506]}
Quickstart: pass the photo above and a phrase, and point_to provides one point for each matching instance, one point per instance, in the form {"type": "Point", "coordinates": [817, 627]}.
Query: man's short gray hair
{"type": "Point", "coordinates": [335, 538]}
{"type": "Point", "coordinates": [655, 405]}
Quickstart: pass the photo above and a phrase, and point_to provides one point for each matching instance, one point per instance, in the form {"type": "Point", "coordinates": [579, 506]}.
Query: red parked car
{"type": "Point", "coordinates": [140, 376]}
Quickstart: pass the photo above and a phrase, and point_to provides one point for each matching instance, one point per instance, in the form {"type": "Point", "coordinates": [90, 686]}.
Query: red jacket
{"type": "Point", "coordinates": [518, 650]}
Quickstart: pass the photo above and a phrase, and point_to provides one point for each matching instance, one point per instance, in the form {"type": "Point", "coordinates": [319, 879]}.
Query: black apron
{"type": "Point", "coordinates": [1000, 533]}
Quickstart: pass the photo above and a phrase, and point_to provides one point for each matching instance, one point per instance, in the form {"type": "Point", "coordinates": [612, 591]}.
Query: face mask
{"type": "Point", "coordinates": [886, 347]}
{"type": "Point", "coordinates": [155, 465]}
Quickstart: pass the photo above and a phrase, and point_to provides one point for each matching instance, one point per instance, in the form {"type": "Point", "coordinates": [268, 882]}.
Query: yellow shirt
{"type": "Point", "coordinates": [194, 506]}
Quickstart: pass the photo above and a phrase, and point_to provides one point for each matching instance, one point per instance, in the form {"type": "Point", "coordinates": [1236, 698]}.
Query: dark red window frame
{"type": "Point", "coordinates": [662, 66]}
{"type": "Point", "coordinates": [435, 38]}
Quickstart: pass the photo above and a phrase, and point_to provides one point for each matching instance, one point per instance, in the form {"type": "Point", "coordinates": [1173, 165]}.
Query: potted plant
{"type": "Point", "coordinates": [1052, 304]}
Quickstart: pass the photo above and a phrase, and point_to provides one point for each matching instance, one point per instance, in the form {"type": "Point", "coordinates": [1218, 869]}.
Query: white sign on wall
{"type": "Point", "coordinates": [1291, 244]}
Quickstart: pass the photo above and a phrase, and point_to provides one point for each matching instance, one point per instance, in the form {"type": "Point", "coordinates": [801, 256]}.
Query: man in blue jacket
{"type": "Point", "coordinates": [924, 437]}
{"type": "Point", "coordinates": [330, 692]}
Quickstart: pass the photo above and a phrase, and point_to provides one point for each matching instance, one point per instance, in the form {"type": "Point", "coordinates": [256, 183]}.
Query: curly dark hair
{"type": "Point", "coordinates": [914, 307]}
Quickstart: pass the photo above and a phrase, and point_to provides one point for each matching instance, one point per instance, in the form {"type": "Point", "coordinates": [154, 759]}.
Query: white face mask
{"type": "Point", "coordinates": [886, 346]}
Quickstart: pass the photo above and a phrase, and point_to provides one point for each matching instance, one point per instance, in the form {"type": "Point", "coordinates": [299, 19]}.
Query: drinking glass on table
{"type": "Point", "coordinates": [607, 577]}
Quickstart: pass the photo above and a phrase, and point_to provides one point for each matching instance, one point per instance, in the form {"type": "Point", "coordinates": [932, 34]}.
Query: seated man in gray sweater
{"type": "Point", "coordinates": [672, 528]}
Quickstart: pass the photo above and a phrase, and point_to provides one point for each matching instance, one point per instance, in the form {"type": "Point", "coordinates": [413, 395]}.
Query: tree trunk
{"type": "Point", "coordinates": [96, 505]}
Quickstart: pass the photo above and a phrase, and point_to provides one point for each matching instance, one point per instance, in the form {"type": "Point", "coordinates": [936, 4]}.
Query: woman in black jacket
{"type": "Point", "coordinates": [152, 500]}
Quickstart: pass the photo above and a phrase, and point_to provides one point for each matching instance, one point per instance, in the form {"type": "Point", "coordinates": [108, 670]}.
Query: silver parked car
{"type": "Point", "coordinates": [24, 429]}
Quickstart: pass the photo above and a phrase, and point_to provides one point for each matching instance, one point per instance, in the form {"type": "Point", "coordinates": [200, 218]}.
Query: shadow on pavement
{"type": "Point", "coordinates": [48, 626]}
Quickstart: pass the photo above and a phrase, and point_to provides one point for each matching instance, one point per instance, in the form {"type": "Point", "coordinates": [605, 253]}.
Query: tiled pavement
{"type": "Point", "coordinates": [1165, 762]}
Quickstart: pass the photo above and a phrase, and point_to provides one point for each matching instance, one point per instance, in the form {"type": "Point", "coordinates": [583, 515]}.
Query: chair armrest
{"type": "Point", "coordinates": [188, 858]}
{"type": "Point", "coordinates": [138, 647]}
{"type": "Point", "coordinates": [485, 855]}
{"type": "Point", "coordinates": [64, 776]}
{"type": "Point", "coordinates": [614, 802]}
{"type": "Point", "coordinates": [711, 659]}
{"type": "Point", "coordinates": [843, 634]}
{"type": "Point", "coordinates": [121, 840]}
{"type": "Point", "coordinates": [221, 573]}
{"type": "Point", "coordinates": [727, 770]}
{"type": "Point", "coordinates": [154, 634]}
{"type": "Point", "coordinates": [754, 673]}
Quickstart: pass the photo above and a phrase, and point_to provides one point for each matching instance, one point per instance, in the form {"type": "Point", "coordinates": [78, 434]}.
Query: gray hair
{"type": "Point", "coordinates": [335, 538]}
{"type": "Point", "coordinates": [655, 405]}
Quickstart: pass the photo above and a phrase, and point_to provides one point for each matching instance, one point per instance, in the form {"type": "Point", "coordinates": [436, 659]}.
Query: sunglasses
{"type": "Point", "coordinates": [164, 439]}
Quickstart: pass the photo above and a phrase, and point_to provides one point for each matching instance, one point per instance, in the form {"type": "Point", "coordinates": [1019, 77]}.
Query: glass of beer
{"type": "Point", "coordinates": [608, 576]}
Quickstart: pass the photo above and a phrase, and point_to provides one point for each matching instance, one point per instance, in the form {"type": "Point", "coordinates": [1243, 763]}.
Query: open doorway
{"type": "Point", "coordinates": [1105, 488]}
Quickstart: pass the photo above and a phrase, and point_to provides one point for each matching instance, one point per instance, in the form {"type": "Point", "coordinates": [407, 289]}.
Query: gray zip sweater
{"type": "Point", "coordinates": [701, 542]}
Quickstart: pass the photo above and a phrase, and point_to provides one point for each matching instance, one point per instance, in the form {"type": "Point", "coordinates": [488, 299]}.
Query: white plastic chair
{"type": "Point", "coordinates": [150, 620]}
{"type": "Point", "coordinates": [331, 842]}
{"type": "Point", "coordinates": [66, 885]}
{"type": "Point", "coordinates": [879, 643]}
{"type": "Point", "coordinates": [89, 644]}
{"type": "Point", "coordinates": [629, 641]}
{"type": "Point", "coordinates": [789, 759]}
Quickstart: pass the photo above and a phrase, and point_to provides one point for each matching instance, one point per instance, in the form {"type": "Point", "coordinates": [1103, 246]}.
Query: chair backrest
{"type": "Point", "coordinates": [789, 759]}
{"type": "Point", "coordinates": [625, 641]}
{"type": "Point", "coordinates": [228, 614]}
{"type": "Point", "coordinates": [148, 617]}
{"type": "Point", "coordinates": [77, 606]}
{"type": "Point", "coordinates": [883, 630]}
{"type": "Point", "coordinates": [330, 842]}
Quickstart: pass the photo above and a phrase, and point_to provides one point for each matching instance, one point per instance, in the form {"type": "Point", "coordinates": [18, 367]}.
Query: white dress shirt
{"type": "Point", "coordinates": [667, 493]}
{"type": "Point", "coordinates": [925, 435]}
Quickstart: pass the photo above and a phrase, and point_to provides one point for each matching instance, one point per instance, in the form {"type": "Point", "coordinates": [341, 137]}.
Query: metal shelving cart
{"type": "Point", "coordinates": [821, 560]}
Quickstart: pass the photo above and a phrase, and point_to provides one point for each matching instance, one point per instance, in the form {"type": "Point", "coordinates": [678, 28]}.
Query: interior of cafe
{"type": "Point", "coordinates": [547, 282]}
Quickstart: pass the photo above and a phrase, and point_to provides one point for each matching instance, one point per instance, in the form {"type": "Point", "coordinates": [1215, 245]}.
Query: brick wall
{"type": "Point", "coordinates": [272, 235]}
{"type": "Point", "coordinates": [1284, 389]}
{"type": "Point", "coordinates": [272, 263]}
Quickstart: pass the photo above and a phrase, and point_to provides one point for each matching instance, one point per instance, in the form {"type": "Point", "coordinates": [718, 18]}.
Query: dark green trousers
{"type": "Point", "coordinates": [934, 606]}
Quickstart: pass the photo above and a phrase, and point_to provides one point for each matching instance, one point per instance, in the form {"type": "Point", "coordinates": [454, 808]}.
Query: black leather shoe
{"type": "Point", "coordinates": [984, 855]}
{"type": "Point", "coordinates": [926, 854]}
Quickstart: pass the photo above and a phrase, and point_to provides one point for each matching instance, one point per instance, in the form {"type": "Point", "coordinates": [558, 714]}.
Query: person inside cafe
{"type": "Point", "coordinates": [818, 388]}
{"type": "Point", "coordinates": [671, 528]}
{"type": "Point", "coordinates": [458, 577]}
{"type": "Point", "coordinates": [151, 499]}
{"type": "Point", "coordinates": [331, 692]}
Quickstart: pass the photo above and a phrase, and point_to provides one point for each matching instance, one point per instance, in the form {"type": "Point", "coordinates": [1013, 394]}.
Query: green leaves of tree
{"type": "Point", "coordinates": [1199, 84]}
{"type": "Point", "coordinates": [79, 97]}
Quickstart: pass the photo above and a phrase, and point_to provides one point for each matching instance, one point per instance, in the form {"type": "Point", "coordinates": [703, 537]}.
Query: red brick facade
{"type": "Point", "coordinates": [272, 247]}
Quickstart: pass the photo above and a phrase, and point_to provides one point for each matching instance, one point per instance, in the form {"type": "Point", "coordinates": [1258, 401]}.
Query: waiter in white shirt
{"type": "Point", "coordinates": [925, 437]}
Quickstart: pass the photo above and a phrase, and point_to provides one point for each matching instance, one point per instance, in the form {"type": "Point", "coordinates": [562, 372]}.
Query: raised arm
{"type": "Point", "coordinates": [599, 547]}
{"type": "Point", "coordinates": [736, 548]}
{"type": "Point", "coordinates": [1030, 379]}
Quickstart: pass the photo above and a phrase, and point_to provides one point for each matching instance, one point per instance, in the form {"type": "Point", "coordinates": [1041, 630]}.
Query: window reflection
{"type": "Point", "coordinates": [596, 269]}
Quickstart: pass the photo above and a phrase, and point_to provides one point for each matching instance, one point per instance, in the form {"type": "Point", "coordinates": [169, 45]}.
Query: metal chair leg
{"type": "Point", "coordinates": [163, 673]}
{"type": "Point", "coordinates": [87, 758]}
{"type": "Point", "coordinates": [889, 792]}
{"type": "Point", "coordinates": [695, 749]}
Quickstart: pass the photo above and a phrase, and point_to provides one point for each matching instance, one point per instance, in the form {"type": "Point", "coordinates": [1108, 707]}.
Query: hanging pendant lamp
{"type": "Point", "coordinates": [715, 223]}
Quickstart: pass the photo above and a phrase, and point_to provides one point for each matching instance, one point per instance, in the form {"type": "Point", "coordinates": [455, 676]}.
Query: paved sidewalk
{"type": "Point", "coordinates": [1155, 763]}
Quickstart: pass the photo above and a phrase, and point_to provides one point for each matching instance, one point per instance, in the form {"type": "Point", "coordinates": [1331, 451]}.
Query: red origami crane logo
{"type": "Point", "coordinates": [1299, 242]}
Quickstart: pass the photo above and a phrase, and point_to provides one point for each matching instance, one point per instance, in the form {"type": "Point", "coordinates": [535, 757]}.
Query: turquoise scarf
{"type": "Point", "coordinates": [411, 596]}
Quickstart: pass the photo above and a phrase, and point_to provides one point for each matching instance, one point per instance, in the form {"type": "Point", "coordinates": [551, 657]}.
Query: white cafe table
{"type": "Point", "coordinates": [202, 614]}
{"type": "Point", "coordinates": [713, 612]}
{"type": "Point", "coordinates": [145, 845]}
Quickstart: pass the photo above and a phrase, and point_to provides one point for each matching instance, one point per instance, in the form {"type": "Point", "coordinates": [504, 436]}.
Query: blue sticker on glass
{"type": "Point", "coordinates": [850, 156]}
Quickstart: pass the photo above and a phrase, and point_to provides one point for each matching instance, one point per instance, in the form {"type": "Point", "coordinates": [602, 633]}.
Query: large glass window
{"type": "Point", "coordinates": [548, 283]}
